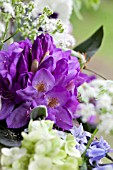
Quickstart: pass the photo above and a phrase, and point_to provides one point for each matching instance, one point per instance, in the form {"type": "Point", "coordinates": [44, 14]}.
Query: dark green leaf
{"type": "Point", "coordinates": [91, 45]}
{"type": "Point", "coordinates": [39, 112]}
{"type": "Point", "coordinates": [9, 138]}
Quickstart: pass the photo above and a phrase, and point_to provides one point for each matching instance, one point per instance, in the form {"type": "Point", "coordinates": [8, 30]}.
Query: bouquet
{"type": "Point", "coordinates": [50, 110]}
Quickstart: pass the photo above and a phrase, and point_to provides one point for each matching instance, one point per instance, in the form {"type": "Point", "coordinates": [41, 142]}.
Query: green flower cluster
{"type": "Point", "coordinates": [41, 149]}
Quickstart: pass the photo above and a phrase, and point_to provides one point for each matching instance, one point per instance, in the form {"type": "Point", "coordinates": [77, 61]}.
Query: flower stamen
{"type": "Point", "coordinates": [40, 87]}
{"type": "Point", "coordinates": [53, 102]}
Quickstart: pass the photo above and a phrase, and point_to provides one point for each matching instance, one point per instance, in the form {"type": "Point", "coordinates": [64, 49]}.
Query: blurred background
{"type": "Point", "coordinates": [102, 61]}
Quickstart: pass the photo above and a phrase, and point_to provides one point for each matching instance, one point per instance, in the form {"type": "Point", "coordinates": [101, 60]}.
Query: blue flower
{"type": "Point", "coordinates": [105, 167]}
{"type": "Point", "coordinates": [98, 150]}
{"type": "Point", "coordinates": [81, 137]}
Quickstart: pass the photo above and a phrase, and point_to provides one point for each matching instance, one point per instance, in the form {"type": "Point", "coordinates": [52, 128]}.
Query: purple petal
{"type": "Point", "coordinates": [4, 63]}
{"type": "Point", "coordinates": [13, 67]}
{"type": "Point", "coordinates": [43, 80]}
{"type": "Point", "coordinates": [61, 67]}
{"type": "Point", "coordinates": [7, 107]}
{"type": "Point", "coordinates": [48, 44]}
{"type": "Point", "coordinates": [51, 114]}
{"type": "Point", "coordinates": [64, 119]}
{"type": "Point", "coordinates": [19, 117]}
{"type": "Point", "coordinates": [59, 93]}
{"type": "Point", "coordinates": [37, 51]}
{"type": "Point", "coordinates": [27, 94]}
{"type": "Point", "coordinates": [48, 64]}
{"type": "Point", "coordinates": [22, 65]}
{"type": "Point", "coordinates": [72, 104]}
{"type": "Point", "coordinates": [81, 79]}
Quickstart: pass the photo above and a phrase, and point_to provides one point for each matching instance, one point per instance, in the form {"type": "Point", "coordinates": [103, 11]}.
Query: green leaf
{"type": "Point", "coordinates": [9, 138]}
{"type": "Point", "coordinates": [38, 113]}
{"type": "Point", "coordinates": [91, 45]}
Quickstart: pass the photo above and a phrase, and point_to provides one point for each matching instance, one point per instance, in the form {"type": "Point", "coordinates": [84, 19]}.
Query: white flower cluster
{"type": "Point", "coordinates": [2, 28]}
{"type": "Point", "coordinates": [28, 18]}
{"type": "Point", "coordinates": [7, 6]}
{"type": "Point", "coordinates": [62, 7]}
{"type": "Point", "coordinates": [97, 104]}
{"type": "Point", "coordinates": [41, 149]}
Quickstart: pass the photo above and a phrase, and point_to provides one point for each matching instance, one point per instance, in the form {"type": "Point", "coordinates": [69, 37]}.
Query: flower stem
{"type": "Point", "coordinates": [109, 157]}
{"type": "Point", "coordinates": [89, 142]}
{"type": "Point", "coordinates": [6, 28]}
{"type": "Point", "coordinates": [11, 36]}
{"type": "Point", "coordinates": [95, 73]}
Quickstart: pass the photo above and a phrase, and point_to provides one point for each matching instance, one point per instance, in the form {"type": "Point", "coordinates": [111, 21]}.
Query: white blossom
{"type": "Point", "coordinates": [62, 7]}
{"type": "Point", "coordinates": [8, 8]}
{"type": "Point", "coordinates": [106, 124]}
{"type": "Point", "coordinates": [86, 111]}
{"type": "Point", "coordinates": [97, 99]}
{"type": "Point", "coordinates": [2, 28]}
{"type": "Point", "coordinates": [64, 40]}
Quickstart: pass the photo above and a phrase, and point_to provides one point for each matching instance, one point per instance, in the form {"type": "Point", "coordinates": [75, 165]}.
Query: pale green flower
{"type": "Point", "coordinates": [42, 148]}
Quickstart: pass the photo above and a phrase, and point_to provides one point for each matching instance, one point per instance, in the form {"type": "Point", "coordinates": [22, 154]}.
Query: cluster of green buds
{"type": "Point", "coordinates": [19, 18]}
{"type": "Point", "coordinates": [49, 25]}
{"type": "Point", "coordinates": [42, 148]}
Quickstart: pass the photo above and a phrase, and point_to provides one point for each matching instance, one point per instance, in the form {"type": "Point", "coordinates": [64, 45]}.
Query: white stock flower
{"type": "Point", "coordinates": [104, 101]}
{"type": "Point", "coordinates": [106, 124]}
{"type": "Point", "coordinates": [97, 99]}
{"type": "Point", "coordinates": [86, 110]}
{"type": "Point", "coordinates": [87, 92]}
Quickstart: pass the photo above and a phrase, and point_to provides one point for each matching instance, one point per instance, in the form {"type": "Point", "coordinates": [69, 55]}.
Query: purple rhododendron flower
{"type": "Point", "coordinates": [36, 74]}
{"type": "Point", "coordinates": [98, 150]}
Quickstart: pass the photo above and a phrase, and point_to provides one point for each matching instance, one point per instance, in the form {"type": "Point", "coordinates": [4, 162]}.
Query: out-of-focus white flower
{"type": "Point", "coordinates": [62, 7]}
{"type": "Point", "coordinates": [8, 8]}
{"type": "Point", "coordinates": [2, 28]}
{"type": "Point", "coordinates": [11, 155]}
{"type": "Point", "coordinates": [86, 111]}
{"type": "Point", "coordinates": [97, 99]}
{"type": "Point", "coordinates": [104, 101]}
{"type": "Point", "coordinates": [64, 40]}
{"type": "Point", "coordinates": [106, 124]}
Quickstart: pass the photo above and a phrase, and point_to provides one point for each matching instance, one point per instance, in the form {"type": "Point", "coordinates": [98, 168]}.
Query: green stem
{"type": "Point", "coordinates": [89, 142]}
{"type": "Point", "coordinates": [11, 36]}
{"type": "Point", "coordinates": [6, 28]}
